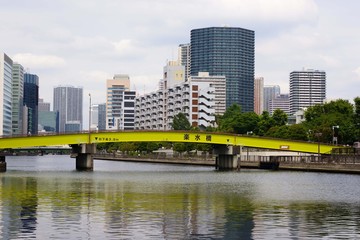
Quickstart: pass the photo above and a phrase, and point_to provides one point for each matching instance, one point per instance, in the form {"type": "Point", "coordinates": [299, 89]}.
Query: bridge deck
{"type": "Point", "coordinates": [165, 136]}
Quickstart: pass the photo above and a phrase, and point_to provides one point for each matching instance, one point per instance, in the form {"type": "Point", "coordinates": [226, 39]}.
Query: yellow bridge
{"type": "Point", "coordinates": [165, 136]}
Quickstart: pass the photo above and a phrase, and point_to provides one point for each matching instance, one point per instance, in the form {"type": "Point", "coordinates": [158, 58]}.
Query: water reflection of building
{"type": "Point", "coordinates": [19, 211]}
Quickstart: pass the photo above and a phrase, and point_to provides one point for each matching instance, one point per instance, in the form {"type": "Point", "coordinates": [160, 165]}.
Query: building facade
{"type": "Point", "coordinates": [307, 88]}
{"type": "Point", "coordinates": [68, 102]}
{"type": "Point", "coordinates": [17, 99]}
{"type": "Point", "coordinates": [229, 52]}
{"type": "Point", "coordinates": [43, 106]}
{"type": "Point", "coordinates": [281, 102]}
{"type": "Point", "coordinates": [102, 116]}
{"type": "Point", "coordinates": [270, 92]}
{"type": "Point", "coordinates": [120, 103]}
{"type": "Point", "coordinates": [259, 95]}
{"type": "Point", "coordinates": [184, 58]}
{"type": "Point", "coordinates": [31, 100]}
{"type": "Point", "coordinates": [200, 99]}
{"type": "Point", "coordinates": [6, 65]}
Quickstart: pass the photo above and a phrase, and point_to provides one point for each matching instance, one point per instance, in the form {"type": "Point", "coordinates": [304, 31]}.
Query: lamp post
{"type": "Point", "coordinates": [335, 130]}
{"type": "Point", "coordinates": [318, 135]}
{"type": "Point", "coordinates": [89, 116]}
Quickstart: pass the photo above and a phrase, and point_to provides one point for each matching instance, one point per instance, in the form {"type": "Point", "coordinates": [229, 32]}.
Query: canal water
{"type": "Point", "coordinates": [43, 197]}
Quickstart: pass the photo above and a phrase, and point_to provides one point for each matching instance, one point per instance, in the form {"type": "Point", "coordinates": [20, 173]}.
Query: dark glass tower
{"type": "Point", "coordinates": [31, 99]}
{"type": "Point", "coordinates": [229, 52]}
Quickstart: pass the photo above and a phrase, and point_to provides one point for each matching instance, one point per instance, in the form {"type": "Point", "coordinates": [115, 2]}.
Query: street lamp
{"type": "Point", "coordinates": [89, 116]}
{"type": "Point", "coordinates": [335, 132]}
{"type": "Point", "coordinates": [318, 135]}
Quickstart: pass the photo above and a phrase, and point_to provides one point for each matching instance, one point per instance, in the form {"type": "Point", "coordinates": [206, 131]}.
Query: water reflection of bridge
{"type": "Point", "coordinates": [226, 146]}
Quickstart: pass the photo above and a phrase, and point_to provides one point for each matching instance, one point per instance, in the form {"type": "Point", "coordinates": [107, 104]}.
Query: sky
{"type": "Point", "coordinates": [82, 43]}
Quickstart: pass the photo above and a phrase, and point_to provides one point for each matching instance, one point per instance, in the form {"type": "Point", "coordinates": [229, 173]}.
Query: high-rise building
{"type": "Point", "coordinates": [259, 95]}
{"type": "Point", "coordinates": [17, 99]}
{"type": "Point", "coordinates": [94, 121]}
{"type": "Point", "coordinates": [102, 117]}
{"type": "Point", "coordinates": [48, 120]}
{"type": "Point", "coordinates": [6, 65]}
{"type": "Point", "coordinates": [307, 88]}
{"type": "Point", "coordinates": [184, 58]}
{"type": "Point", "coordinates": [31, 99]}
{"type": "Point", "coordinates": [120, 103]}
{"type": "Point", "coordinates": [270, 92]}
{"type": "Point", "coordinates": [43, 106]}
{"type": "Point", "coordinates": [229, 52]}
{"type": "Point", "coordinates": [68, 101]}
{"type": "Point", "coordinates": [281, 102]}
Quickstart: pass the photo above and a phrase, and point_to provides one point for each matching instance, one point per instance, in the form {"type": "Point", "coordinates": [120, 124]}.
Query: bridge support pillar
{"type": "Point", "coordinates": [84, 156]}
{"type": "Point", "coordinates": [2, 164]}
{"type": "Point", "coordinates": [227, 158]}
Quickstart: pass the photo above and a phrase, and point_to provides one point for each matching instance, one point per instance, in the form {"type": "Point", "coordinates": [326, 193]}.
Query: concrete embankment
{"type": "Point", "coordinates": [286, 166]}
{"type": "Point", "coordinates": [185, 161]}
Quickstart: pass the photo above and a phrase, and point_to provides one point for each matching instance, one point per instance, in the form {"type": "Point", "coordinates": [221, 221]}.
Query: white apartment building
{"type": "Point", "coordinates": [307, 88]}
{"type": "Point", "coordinates": [199, 98]}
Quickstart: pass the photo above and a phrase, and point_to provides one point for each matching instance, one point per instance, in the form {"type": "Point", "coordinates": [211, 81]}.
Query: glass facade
{"type": "Point", "coordinates": [31, 99]}
{"type": "Point", "coordinates": [229, 52]}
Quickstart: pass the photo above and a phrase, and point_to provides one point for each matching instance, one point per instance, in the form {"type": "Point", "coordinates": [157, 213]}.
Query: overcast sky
{"type": "Point", "coordinates": [84, 42]}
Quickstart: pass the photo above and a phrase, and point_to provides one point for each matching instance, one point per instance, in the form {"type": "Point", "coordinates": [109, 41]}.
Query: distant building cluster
{"type": "Point", "coordinates": [212, 72]}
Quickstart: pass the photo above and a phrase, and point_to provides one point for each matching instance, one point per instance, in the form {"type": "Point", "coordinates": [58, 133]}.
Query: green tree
{"type": "Point", "coordinates": [180, 122]}
{"type": "Point", "coordinates": [229, 120]}
{"type": "Point", "coordinates": [322, 118]}
{"type": "Point", "coordinates": [265, 123]}
{"type": "Point", "coordinates": [280, 117]}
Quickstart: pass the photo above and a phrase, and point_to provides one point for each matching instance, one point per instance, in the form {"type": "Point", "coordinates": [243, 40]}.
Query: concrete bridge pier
{"type": "Point", "coordinates": [227, 158]}
{"type": "Point", "coordinates": [2, 164]}
{"type": "Point", "coordinates": [84, 156]}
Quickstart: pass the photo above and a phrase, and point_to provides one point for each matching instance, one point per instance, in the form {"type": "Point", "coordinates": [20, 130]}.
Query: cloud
{"type": "Point", "coordinates": [29, 60]}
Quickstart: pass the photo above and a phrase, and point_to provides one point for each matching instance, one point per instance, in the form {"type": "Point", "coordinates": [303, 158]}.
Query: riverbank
{"type": "Point", "coordinates": [352, 168]}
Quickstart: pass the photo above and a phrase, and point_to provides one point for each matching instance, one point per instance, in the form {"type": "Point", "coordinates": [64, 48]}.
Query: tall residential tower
{"type": "Point", "coordinates": [229, 52]}
{"type": "Point", "coordinates": [307, 88]}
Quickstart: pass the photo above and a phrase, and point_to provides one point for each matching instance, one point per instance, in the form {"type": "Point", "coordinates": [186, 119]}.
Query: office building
{"type": "Point", "coordinates": [259, 95]}
{"type": "Point", "coordinates": [31, 99]}
{"type": "Point", "coordinates": [102, 117]}
{"type": "Point", "coordinates": [48, 121]}
{"type": "Point", "coordinates": [43, 106]}
{"type": "Point", "coordinates": [6, 65]}
{"type": "Point", "coordinates": [229, 52]}
{"type": "Point", "coordinates": [120, 103]}
{"type": "Point", "coordinates": [307, 88]}
{"type": "Point", "coordinates": [68, 101]}
{"type": "Point", "coordinates": [270, 92]}
{"type": "Point", "coordinates": [17, 99]}
{"type": "Point", "coordinates": [281, 102]}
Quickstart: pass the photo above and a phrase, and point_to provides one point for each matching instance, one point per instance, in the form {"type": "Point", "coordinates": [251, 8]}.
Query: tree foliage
{"type": "Point", "coordinates": [180, 122]}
